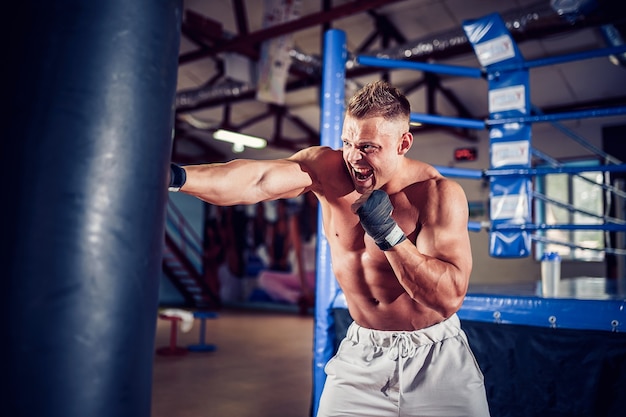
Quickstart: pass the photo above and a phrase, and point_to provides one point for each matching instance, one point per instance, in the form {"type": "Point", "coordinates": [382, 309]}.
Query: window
{"type": "Point", "coordinates": [571, 199]}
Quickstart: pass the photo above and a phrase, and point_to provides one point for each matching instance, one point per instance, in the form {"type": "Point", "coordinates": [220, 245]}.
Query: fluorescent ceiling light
{"type": "Point", "coordinates": [239, 140]}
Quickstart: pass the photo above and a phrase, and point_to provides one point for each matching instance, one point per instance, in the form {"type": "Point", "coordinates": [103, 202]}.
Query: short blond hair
{"type": "Point", "coordinates": [379, 98]}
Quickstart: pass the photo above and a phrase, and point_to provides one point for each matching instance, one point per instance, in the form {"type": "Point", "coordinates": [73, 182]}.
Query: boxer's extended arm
{"type": "Point", "coordinates": [245, 181]}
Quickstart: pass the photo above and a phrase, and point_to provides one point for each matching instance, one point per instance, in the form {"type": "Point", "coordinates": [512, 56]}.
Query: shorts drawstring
{"type": "Point", "coordinates": [401, 346]}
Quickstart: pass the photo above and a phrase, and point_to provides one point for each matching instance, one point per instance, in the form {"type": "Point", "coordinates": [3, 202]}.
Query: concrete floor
{"type": "Point", "coordinates": [262, 367]}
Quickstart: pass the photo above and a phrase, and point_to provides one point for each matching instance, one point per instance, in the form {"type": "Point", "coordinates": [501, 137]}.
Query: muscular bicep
{"type": "Point", "coordinates": [283, 179]}
{"type": "Point", "coordinates": [247, 181]}
{"type": "Point", "coordinates": [444, 233]}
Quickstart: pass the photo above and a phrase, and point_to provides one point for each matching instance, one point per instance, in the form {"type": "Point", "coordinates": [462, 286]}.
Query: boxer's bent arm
{"type": "Point", "coordinates": [435, 271]}
{"type": "Point", "coordinates": [246, 181]}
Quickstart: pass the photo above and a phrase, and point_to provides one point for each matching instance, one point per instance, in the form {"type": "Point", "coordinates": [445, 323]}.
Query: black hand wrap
{"type": "Point", "coordinates": [375, 216]}
{"type": "Point", "coordinates": [178, 176]}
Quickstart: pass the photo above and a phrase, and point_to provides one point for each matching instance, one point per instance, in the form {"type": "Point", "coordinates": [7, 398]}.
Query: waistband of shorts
{"type": "Point", "coordinates": [451, 327]}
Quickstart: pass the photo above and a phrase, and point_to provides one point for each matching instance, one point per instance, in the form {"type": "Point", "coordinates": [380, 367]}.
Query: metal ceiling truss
{"type": "Point", "coordinates": [532, 23]}
{"type": "Point", "coordinates": [210, 39]}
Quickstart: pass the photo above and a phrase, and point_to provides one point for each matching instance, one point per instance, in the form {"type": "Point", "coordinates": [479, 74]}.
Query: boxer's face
{"type": "Point", "coordinates": [372, 150]}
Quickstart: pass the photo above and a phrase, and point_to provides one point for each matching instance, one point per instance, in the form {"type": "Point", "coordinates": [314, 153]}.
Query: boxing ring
{"type": "Point", "coordinates": [540, 356]}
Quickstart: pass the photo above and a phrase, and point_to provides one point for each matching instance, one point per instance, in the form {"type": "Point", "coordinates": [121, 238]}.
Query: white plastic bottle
{"type": "Point", "coordinates": [550, 274]}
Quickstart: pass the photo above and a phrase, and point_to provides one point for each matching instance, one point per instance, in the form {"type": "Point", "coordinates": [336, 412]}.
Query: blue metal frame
{"type": "Point", "coordinates": [333, 97]}
{"type": "Point", "coordinates": [607, 315]}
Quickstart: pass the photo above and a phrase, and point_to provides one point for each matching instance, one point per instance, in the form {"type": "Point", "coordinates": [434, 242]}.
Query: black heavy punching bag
{"type": "Point", "coordinates": [86, 138]}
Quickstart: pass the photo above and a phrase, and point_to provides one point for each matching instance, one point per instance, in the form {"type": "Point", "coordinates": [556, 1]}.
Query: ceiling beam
{"type": "Point", "coordinates": [241, 17]}
{"type": "Point", "coordinates": [314, 19]}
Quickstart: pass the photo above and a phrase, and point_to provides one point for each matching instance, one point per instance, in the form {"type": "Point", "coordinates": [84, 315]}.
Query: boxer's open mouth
{"type": "Point", "coordinates": [362, 174]}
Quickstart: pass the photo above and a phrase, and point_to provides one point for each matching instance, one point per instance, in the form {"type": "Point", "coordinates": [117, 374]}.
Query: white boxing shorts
{"type": "Point", "coordinates": [430, 372]}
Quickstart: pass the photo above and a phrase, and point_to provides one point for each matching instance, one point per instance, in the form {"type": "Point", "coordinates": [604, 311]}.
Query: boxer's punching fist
{"type": "Point", "coordinates": [374, 212]}
{"type": "Point", "coordinates": [178, 176]}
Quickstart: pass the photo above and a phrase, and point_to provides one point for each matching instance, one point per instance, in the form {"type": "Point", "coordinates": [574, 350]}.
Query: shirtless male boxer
{"type": "Point", "coordinates": [400, 250]}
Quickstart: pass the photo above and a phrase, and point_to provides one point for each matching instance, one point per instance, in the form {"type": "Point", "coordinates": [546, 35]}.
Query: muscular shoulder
{"type": "Point", "coordinates": [314, 154]}
{"type": "Point", "coordinates": [435, 194]}
{"type": "Point", "coordinates": [445, 201]}
{"type": "Point", "coordinates": [321, 163]}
